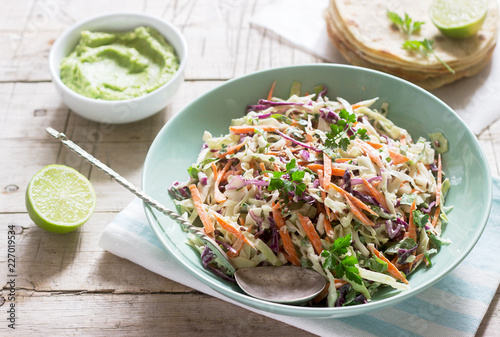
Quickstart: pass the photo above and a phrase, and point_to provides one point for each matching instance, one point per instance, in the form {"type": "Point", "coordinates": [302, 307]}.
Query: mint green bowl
{"type": "Point", "coordinates": [177, 145]}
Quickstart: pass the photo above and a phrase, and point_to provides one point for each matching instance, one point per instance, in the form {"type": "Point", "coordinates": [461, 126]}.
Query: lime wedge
{"type": "Point", "coordinates": [458, 18]}
{"type": "Point", "coordinates": [59, 199]}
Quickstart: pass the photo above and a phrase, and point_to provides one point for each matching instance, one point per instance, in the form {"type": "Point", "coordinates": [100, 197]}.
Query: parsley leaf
{"type": "Point", "coordinates": [425, 47]}
{"type": "Point", "coordinates": [340, 264]}
{"type": "Point", "coordinates": [406, 25]}
{"type": "Point", "coordinates": [289, 181]}
{"type": "Point", "coordinates": [193, 172]}
{"type": "Point", "coordinates": [420, 219]}
{"type": "Point", "coordinates": [343, 132]}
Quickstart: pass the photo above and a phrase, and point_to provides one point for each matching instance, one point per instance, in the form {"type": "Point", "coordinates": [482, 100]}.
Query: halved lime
{"type": "Point", "coordinates": [59, 199]}
{"type": "Point", "coordinates": [458, 18]}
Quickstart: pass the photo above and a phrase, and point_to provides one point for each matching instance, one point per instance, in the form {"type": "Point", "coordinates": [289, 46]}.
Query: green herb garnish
{"type": "Point", "coordinates": [420, 219]}
{"type": "Point", "coordinates": [340, 263]}
{"type": "Point", "coordinates": [425, 47]}
{"type": "Point", "coordinates": [406, 25]}
{"type": "Point", "coordinates": [193, 172]}
{"type": "Point", "coordinates": [339, 136]}
{"type": "Point", "coordinates": [289, 181]}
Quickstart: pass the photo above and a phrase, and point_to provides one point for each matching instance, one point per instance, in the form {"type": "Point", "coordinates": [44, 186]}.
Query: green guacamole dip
{"type": "Point", "coordinates": [117, 66]}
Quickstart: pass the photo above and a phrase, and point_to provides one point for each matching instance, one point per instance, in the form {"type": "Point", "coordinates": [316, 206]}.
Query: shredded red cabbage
{"type": "Point", "coordinates": [297, 142]}
{"type": "Point", "coordinates": [255, 217]}
{"type": "Point", "coordinates": [428, 210]}
{"type": "Point", "coordinates": [322, 93]}
{"type": "Point", "coordinates": [329, 115]}
{"type": "Point", "coordinates": [304, 155]}
{"type": "Point", "coordinates": [202, 177]}
{"type": "Point", "coordinates": [274, 243]}
{"type": "Point", "coordinates": [342, 295]}
{"type": "Point", "coordinates": [405, 253]}
{"type": "Point", "coordinates": [263, 116]}
{"type": "Point", "coordinates": [391, 230]}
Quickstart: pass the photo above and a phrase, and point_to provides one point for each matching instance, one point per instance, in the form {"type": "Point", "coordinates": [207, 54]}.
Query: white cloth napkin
{"type": "Point", "coordinates": [475, 99]}
{"type": "Point", "coordinates": [454, 306]}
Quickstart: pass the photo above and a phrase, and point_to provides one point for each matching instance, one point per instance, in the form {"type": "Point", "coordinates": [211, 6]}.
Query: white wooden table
{"type": "Point", "coordinates": [66, 284]}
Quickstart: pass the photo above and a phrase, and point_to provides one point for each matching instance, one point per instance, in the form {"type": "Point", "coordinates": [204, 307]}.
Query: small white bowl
{"type": "Point", "coordinates": [120, 111]}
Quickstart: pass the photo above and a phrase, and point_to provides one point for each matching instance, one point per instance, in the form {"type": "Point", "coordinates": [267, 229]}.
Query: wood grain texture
{"type": "Point", "coordinates": [67, 285]}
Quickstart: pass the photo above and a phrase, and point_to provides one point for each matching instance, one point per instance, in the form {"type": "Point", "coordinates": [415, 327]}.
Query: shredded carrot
{"type": "Point", "coordinates": [322, 294]}
{"type": "Point", "coordinates": [368, 150]}
{"type": "Point", "coordinates": [342, 160]}
{"type": "Point", "coordinates": [391, 268]}
{"type": "Point", "coordinates": [397, 158]}
{"type": "Point", "coordinates": [230, 150]}
{"type": "Point", "coordinates": [277, 217]}
{"type": "Point", "coordinates": [375, 193]}
{"type": "Point", "coordinates": [418, 258]}
{"type": "Point", "coordinates": [218, 196]}
{"type": "Point", "coordinates": [353, 199]}
{"type": "Point", "coordinates": [436, 217]}
{"type": "Point", "coordinates": [288, 246]}
{"type": "Point", "coordinates": [339, 283]}
{"type": "Point", "coordinates": [327, 173]}
{"type": "Point", "coordinates": [323, 193]}
{"type": "Point", "coordinates": [251, 129]}
{"type": "Point", "coordinates": [358, 214]}
{"type": "Point", "coordinates": [376, 146]}
{"type": "Point", "coordinates": [263, 168]}
{"type": "Point", "coordinates": [337, 172]}
{"type": "Point", "coordinates": [412, 229]}
{"type": "Point", "coordinates": [439, 181]}
{"type": "Point", "coordinates": [315, 167]}
{"type": "Point", "coordinates": [402, 140]}
{"type": "Point", "coordinates": [270, 94]}
{"type": "Point", "coordinates": [230, 228]}
{"type": "Point", "coordinates": [355, 106]}
{"type": "Point", "coordinates": [311, 233]}
{"type": "Point", "coordinates": [328, 228]}
{"type": "Point", "coordinates": [238, 245]}
{"type": "Point", "coordinates": [198, 204]}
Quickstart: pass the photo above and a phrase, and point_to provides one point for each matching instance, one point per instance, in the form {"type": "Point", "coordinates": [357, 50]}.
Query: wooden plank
{"type": "Point", "coordinates": [31, 107]}
{"type": "Point", "coordinates": [87, 314]}
{"type": "Point", "coordinates": [73, 262]}
{"type": "Point", "coordinates": [491, 321]}
{"type": "Point", "coordinates": [123, 147]}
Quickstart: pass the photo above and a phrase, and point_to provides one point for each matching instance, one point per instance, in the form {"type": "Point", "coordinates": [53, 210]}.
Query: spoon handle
{"type": "Point", "coordinates": [146, 198]}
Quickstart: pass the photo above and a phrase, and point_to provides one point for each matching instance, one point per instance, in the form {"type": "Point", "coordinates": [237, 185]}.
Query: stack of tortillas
{"type": "Point", "coordinates": [365, 36]}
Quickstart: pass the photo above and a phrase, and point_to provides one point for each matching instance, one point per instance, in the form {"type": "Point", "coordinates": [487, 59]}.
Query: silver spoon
{"type": "Point", "coordinates": [284, 284]}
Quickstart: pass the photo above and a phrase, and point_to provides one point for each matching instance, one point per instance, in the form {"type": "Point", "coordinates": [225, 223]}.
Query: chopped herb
{"type": "Point", "coordinates": [289, 181]}
{"type": "Point", "coordinates": [425, 47]}
{"type": "Point", "coordinates": [420, 219]}
{"type": "Point", "coordinates": [342, 133]}
{"type": "Point", "coordinates": [337, 260]}
{"type": "Point", "coordinates": [406, 25]}
{"type": "Point", "coordinates": [193, 172]}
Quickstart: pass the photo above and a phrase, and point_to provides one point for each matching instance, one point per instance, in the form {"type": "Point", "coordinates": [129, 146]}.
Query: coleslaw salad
{"type": "Point", "coordinates": [322, 184]}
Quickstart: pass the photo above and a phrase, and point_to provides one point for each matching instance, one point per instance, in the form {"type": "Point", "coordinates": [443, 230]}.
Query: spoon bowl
{"type": "Point", "coordinates": [283, 284]}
